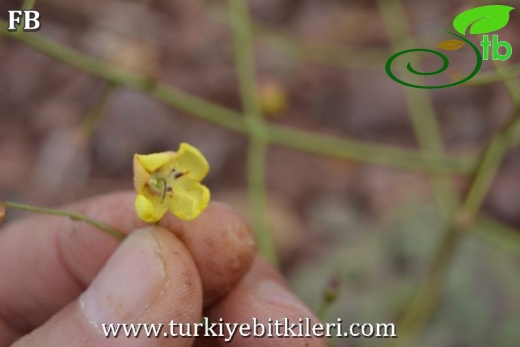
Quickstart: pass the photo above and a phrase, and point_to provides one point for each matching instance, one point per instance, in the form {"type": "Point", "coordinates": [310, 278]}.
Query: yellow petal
{"type": "Point", "coordinates": [149, 211]}
{"type": "Point", "coordinates": [141, 176]}
{"type": "Point", "coordinates": [152, 162]}
{"type": "Point", "coordinates": [190, 159]}
{"type": "Point", "coordinates": [189, 199]}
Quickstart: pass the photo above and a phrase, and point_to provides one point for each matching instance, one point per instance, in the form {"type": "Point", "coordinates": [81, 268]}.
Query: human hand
{"type": "Point", "coordinates": [60, 279]}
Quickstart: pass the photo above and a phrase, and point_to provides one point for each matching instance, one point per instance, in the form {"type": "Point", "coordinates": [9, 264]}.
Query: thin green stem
{"type": "Point", "coordinates": [428, 294]}
{"type": "Point", "coordinates": [243, 43]}
{"type": "Point", "coordinates": [256, 169]}
{"type": "Point", "coordinates": [346, 149]}
{"type": "Point", "coordinates": [323, 310]}
{"type": "Point", "coordinates": [430, 140]}
{"type": "Point", "coordinates": [91, 122]}
{"type": "Point", "coordinates": [421, 111]}
{"type": "Point", "coordinates": [327, 302]}
{"type": "Point", "coordinates": [72, 215]}
{"type": "Point", "coordinates": [28, 4]}
{"type": "Point", "coordinates": [257, 154]}
{"type": "Point", "coordinates": [511, 84]}
{"type": "Point", "coordinates": [498, 146]}
{"type": "Point", "coordinates": [302, 51]}
{"type": "Point", "coordinates": [503, 236]}
{"type": "Point", "coordinates": [331, 146]}
{"type": "Point", "coordinates": [489, 164]}
{"type": "Point", "coordinates": [495, 76]}
{"type": "Point", "coordinates": [119, 77]}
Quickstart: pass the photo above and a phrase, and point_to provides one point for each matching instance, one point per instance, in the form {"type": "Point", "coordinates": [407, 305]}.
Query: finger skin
{"type": "Point", "coordinates": [262, 294]}
{"type": "Point", "coordinates": [207, 240]}
{"type": "Point", "coordinates": [47, 261]}
{"type": "Point", "coordinates": [174, 293]}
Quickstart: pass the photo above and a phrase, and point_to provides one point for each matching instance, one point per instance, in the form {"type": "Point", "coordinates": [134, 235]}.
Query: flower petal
{"type": "Point", "coordinates": [152, 162]}
{"type": "Point", "coordinates": [189, 199]}
{"type": "Point", "coordinates": [149, 211]}
{"type": "Point", "coordinates": [190, 159]}
{"type": "Point", "coordinates": [141, 176]}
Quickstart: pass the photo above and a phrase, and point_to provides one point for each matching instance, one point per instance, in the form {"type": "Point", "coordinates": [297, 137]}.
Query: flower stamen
{"type": "Point", "coordinates": [177, 175]}
{"type": "Point", "coordinates": [166, 188]}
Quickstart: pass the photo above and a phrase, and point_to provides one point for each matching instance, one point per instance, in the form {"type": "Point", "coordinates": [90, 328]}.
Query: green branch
{"type": "Point", "coordinates": [494, 76]}
{"type": "Point", "coordinates": [91, 122]}
{"type": "Point", "coordinates": [72, 215]}
{"type": "Point", "coordinates": [428, 294]}
{"type": "Point", "coordinates": [243, 44]}
{"type": "Point", "coordinates": [256, 169]}
{"type": "Point", "coordinates": [346, 149]}
{"type": "Point", "coordinates": [257, 154]}
{"type": "Point", "coordinates": [28, 4]}
{"type": "Point", "coordinates": [421, 111]}
{"type": "Point", "coordinates": [499, 234]}
{"type": "Point", "coordinates": [347, 57]}
{"type": "Point", "coordinates": [511, 85]}
{"type": "Point", "coordinates": [314, 143]}
{"type": "Point", "coordinates": [489, 164]}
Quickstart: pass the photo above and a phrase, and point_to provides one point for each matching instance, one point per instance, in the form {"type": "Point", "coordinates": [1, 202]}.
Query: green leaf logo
{"type": "Point", "coordinates": [483, 19]}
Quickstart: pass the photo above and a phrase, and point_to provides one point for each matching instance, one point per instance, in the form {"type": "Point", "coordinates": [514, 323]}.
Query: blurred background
{"type": "Point", "coordinates": [344, 225]}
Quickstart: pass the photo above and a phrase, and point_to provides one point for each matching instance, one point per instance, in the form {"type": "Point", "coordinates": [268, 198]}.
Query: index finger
{"type": "Point", "coordinates": [47, 261]}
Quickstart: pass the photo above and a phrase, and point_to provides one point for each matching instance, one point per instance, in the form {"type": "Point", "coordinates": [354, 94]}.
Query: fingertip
{"type": "Point", "coordinates": [151, 278]}
{"type": "Point", "coordinates": [220, 240]}
{"type": "Point", "coordinates": [68, 254]}
{"type": "Point", "coordinates": [129, 283]}
{"type": "Point", "coordinates": [264, 294]}
{"type": "Point", "coordinates": [222, 245]}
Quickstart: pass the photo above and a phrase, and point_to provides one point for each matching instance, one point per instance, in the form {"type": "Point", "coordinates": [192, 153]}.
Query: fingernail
{"type": "Point", "coordinates": [128, 284]}
{"type": "Point", "coordinates": [278, 294]}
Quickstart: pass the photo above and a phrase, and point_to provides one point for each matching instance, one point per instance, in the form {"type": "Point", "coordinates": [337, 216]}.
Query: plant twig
{"type": "Point", "coordinates": [491, 159]}
{"type": "Point", "coordinates": [28, 4]}
{"type": "Point", "coordinates": [257, 153]}
{"type": "Point", "coordinates": [301, 51]}
{"type": "Point", "coordinates": [427, 296]}
{"type": "Point", "coordinates": [421, 111]}
{"type": "Point", "coordinates": [325, 145]}
{"type": "Point", "coordinates": [503, 236]}
{"type": "Point", "coordinates": [511, 84]}
{"type": "Point", "coordinates": [495, 76]}
{"type": "Point", "coordinates": [72, 215]}
{"type": "Point", "coordinates": [91, 122]}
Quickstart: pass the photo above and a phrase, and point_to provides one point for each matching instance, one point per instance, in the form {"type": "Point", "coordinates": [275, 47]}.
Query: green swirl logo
{"type": "Point", "coordinates": [480, 20]}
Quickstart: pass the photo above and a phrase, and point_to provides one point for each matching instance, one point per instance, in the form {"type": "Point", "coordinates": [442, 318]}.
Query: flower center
{"type": "Point", "coordinates": [161, 183]}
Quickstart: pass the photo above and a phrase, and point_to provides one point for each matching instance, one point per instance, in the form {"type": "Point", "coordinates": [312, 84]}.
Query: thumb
{"type": "Point", "coordinates": [151, 278]}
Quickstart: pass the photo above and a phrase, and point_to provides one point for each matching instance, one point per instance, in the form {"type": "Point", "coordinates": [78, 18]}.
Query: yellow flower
{"type": "Point", "coordinates": [170, 181]}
